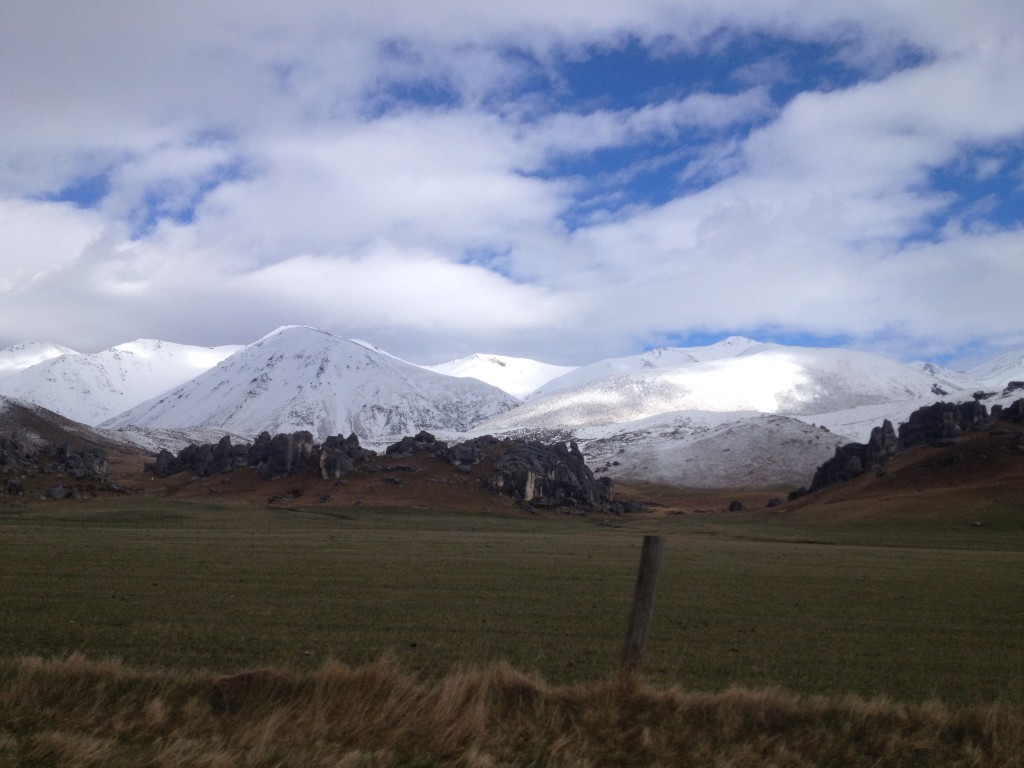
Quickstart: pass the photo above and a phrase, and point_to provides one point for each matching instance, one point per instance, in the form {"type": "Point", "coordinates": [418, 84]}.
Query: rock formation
{"type": "Point", "coordinates": [854, 459]}
{"type": "Point", "coordinates": [277, 456]}
{"type": "Point", "coordinates": [18, 458]}
{"type": "Point", "coordinates": [530, 472]}
{"type": "Point", "coordinates": [548, 475]}
{"type": "Point", "coordinates": [339, 456]}
{"type": "Point", "coordinates": [942, 421]}
{"type": "Point", "coordinates": [936, 424]}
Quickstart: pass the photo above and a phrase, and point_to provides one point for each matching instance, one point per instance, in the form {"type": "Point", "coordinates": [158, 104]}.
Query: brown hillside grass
{"type": "Point", "coordinates": [74, 711]}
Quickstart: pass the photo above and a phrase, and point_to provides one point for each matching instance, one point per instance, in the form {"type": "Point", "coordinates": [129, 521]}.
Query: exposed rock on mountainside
{"type": "Point", "coordinates": [548, 476]}
{"type": "Point", "coordinates": [942, 421]}
{"type": "Point", "coordinates": [936, 424]}
{"type": "Point", "coordinates": [18, 459]}
{"type": "Point", "coordinates": [81, 463]}
{"type": "Point", "coordinates": [339, 456]}
{"type": "Point", "coordinates": [530, 472]}
{"type": "Point", "coordinates": [277, 456]}
{"type": "Point", "coordinates": [854, 459]}
{"type": "Point", "coordinates": [1013, 413]}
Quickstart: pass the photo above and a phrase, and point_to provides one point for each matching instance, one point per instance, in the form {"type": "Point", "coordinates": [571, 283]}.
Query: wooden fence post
{"type": "Point", "coordinates": [643, 606]}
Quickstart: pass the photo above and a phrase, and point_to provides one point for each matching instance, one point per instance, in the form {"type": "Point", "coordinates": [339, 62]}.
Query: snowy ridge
{"type": "Point", "coordinates": [29, 353]}
{"type": "Point", "coordinates": [299, 378]}
{"type": "Point", "coordinates": [764, 378]}
{"type": "Point", "coordinates": [997, 373]}
{"type": "Point", "coordinates": [90, 388]}
{"type": "Point", "coordinates": [655, 359]}
{"type": "Point", "coordinates": [519, 376]}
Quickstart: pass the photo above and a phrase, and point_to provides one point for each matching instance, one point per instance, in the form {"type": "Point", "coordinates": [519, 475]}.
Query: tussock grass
{"type": "Point", "coordinates": [73, 711]}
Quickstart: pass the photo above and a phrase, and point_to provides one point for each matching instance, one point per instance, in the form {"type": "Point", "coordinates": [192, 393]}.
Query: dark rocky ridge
{"type": "Point", "coordinates": [530, 472]}
{"type": "Point", "coordinates": [937, 424]}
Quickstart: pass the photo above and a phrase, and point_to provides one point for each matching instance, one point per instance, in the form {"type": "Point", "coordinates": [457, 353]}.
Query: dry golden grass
{"type": "Point", "coordinates": [75, 712]}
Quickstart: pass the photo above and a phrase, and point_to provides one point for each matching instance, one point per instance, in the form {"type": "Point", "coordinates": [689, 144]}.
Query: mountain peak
{"type": "Point", "coordinates": [29, 353]}
{"type": "Point", "coordinates": [299, 378]}
{"type": "Point", "coordinates": [519, 376]}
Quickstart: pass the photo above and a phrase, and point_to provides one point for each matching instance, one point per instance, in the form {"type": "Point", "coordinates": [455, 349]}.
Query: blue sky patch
{"type": "Point", "coordinates": [84, 192]}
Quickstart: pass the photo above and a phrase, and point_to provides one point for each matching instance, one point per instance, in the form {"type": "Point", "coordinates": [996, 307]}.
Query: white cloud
{"type": "Point", "coordinates": [320, 197]}
{"type": "Point", "coordinates": [39, 238]}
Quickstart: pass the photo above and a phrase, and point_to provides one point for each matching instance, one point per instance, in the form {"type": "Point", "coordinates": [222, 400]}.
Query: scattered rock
{"type": "Point", "coordinates": [623, 507]}
{"type": "Point", "coordinates": [58, 492]}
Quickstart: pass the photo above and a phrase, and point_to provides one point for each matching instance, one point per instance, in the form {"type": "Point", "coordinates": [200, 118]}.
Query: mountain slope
{"type": "Point", "coordinates": [29, 353]}
{"type": "Point", "coordinates": [765, 378]}
{"type": "Point", "coordinates": [90, 388]}
{"type": "Point", "coordinates": [301, 378]}
{"type": "Point", "coordinates": [37, 426]}
{"type": "Point", "coordinates": [711, 450]}
{"type": "Point", "coordinates": [997, 373]}
{"type": "Point", "coordinates": [518, 376]}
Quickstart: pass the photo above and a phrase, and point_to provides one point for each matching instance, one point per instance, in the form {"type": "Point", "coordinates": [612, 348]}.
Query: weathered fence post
{"type": "Point", "coordinates": [643, 606]}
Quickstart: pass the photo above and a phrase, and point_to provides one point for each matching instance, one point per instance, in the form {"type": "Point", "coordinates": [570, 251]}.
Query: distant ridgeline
{"type": "Point", "coordinates": [937, 424]}
{"type": "Point", "coordinates": [530, 472]}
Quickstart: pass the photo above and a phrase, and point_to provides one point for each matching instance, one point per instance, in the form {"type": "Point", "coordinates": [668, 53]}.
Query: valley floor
{"type": "Point", "coordinates": [479, 634]}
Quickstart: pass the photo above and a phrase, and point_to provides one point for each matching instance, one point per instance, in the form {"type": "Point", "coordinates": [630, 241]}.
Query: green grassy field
{"type": "Point", "coordinates": [911, 611]}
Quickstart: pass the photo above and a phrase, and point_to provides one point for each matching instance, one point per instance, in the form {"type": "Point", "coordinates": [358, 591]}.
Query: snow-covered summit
{"type": "Point", "coordinates": [29, 353]}
{"type": "Point", "coordinates": [654, 359]}
{"type": "Point", "coordinates": [763, 378]}
{"type": "Point", "coordinates": [519, 376]}
{"type": "Point", "coordinates": [90, 388]}
{"type": "Point", "coordinates": [301, 378]}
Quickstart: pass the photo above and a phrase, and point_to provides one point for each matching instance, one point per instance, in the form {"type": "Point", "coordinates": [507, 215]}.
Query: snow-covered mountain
{"type": "Point", "coordinates": [519, 376]}
{"type": "Point", "coordinates": [998, 373]}
{"type": "Point", "coordinates": [90, 388]}
{"type": "Point", "coordinates": [739, 412]}
{"type": "Point", "coordinates": [29, 353]}
{"type": "Point", "coordinates": [735, 375]}
{"type": "Point", "coordinates": [301, 378]}
{"type": "Point", "coordinates": [656, 359]}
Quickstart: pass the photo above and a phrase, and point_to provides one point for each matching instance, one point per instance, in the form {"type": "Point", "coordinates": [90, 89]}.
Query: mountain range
{"type": "Point", "coordinates": [739, 412]}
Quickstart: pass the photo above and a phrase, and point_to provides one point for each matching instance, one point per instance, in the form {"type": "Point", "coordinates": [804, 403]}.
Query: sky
{"type": "Point", "coordinates": [562, 181]}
